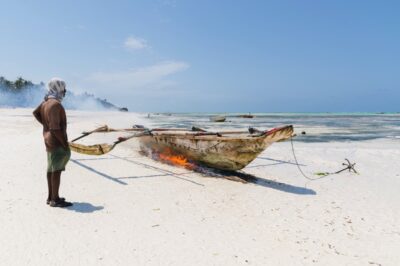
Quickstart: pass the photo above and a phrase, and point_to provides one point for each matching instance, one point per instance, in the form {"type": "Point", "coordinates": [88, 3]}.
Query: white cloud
{"type": "Point", "coordinates": [133, 43]}
{"type": "Point", "coordinates": [150, 77]}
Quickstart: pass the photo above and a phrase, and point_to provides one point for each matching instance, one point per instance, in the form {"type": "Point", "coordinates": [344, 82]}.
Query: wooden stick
{"type": "Point", "coordinates": [138, 130]}
{"type": "Point", "coordinates": [84, 134]}
{"type": "Point", "coordinates": [122, 139]}
{"type": "Point", "coordinates": [106, 129]}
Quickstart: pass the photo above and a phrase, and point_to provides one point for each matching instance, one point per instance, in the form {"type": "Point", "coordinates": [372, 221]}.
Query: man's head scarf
{"type": "Point", "coordinates": [56, 89]}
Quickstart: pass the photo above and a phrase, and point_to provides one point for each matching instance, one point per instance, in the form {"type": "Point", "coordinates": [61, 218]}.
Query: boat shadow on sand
{"type": "Point", "coordinates": [237, 176]}
{"type": "Point", "coordinates": [243, 177]}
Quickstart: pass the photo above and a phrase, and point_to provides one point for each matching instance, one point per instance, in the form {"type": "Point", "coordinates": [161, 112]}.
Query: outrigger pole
{"type": "Point", "coordinates": [100, 149]}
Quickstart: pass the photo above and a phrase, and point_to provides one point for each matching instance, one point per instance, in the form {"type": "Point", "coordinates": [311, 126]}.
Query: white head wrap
{"type": "Point", "coordinates": [56, 89]}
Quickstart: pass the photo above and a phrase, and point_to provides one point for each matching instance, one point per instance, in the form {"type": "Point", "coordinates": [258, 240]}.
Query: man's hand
{"type": "Point", "coordinates": [59, 135]}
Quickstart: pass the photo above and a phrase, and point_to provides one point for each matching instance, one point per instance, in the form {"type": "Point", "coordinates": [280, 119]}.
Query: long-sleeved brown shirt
{"type": "Point", "coordinates": [51, 114]}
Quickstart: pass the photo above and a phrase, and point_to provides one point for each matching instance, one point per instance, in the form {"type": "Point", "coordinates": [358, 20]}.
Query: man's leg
{"type": "Point", "coordinates": [56, 201]}
{"type": "Point", "coordinates": [55, 185]}
{"type": "Point", "coordinates": [49, 186]}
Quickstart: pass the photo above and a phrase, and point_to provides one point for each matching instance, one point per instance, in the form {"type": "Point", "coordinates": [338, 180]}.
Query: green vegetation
{"type": "Point", "coordinates": [16, 86]}
{"type": "Point", "coordinates": [24, 93]}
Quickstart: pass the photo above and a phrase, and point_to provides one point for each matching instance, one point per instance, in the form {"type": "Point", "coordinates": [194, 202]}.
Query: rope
{"type": "Point", "coordinates": [349, 166]}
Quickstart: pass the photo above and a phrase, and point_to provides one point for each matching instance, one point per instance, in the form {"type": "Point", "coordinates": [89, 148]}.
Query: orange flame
{"type": "Point", "coordinates": [177, 160]}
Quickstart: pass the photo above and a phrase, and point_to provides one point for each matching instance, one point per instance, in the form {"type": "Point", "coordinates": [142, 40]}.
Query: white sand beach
{"type": "Point", "coordinates": [131, 210]}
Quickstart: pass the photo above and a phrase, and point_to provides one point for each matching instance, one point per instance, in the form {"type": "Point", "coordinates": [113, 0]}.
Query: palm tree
{"type": "Point", "coordinates": [19, 83]}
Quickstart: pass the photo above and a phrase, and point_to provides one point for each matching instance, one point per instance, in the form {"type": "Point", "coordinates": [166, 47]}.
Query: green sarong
{"type": "Point", "coordinates": [57, 159]}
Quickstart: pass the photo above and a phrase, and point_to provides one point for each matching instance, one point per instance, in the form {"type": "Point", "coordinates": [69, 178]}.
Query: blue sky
{"type": "Point", "coordinates": [212, 56]}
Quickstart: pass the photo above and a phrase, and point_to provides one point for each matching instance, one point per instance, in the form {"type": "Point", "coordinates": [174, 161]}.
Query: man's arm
{"type": "Point", "coordinates": [59, 135]}
{"type": "Point", "coordinates": [37, 115]}
{"type": "Point", "coordinates": [55, 127]}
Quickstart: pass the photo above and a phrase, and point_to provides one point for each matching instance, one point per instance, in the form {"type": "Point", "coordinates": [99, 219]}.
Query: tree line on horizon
{"type": "Point", "coordinates": [24, 93]}
{"type": "Point", "coordinates": [18, 85]}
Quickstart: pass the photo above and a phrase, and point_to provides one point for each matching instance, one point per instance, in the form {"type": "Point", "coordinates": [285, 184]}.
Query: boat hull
{"type": "Point", "coordinates": [217, 119]}
{"type": "Point", "coordinates": [221, 152]}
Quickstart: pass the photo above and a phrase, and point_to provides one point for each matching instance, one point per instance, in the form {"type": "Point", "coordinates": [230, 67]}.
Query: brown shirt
{"type": "Point", "coordinates": [51, 114]}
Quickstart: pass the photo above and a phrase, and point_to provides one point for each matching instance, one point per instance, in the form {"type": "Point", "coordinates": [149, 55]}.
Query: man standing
{"type": "Point", "coordinates": [51, 114]}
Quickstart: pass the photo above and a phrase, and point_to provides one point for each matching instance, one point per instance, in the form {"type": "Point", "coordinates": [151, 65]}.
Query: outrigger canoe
{"type": "Point", "coordinates": [226, 150]}
{"type": "Point", "coordinates": [223, 150]}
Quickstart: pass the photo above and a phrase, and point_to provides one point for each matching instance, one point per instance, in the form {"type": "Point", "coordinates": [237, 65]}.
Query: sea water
{"type": "Point", "coordinates": [316, 127]}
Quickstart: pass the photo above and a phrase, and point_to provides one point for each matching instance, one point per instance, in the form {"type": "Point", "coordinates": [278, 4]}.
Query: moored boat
{"type": "Point", "coordinates": [225, 150]}
{"type": "Point", "coordinates": [222, 150]}
{"type": "Point", "coordinates": [218, 118]}
{"type": "Point", "coordinates": [246, 116]}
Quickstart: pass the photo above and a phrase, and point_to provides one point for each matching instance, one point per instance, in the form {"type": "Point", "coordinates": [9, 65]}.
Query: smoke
{"type": "Point", "coordinates": [32, 96]}
{"type": "Point", "coordinates": [28, 97]}
{"type": "Point", "coordinates": [85, 102]}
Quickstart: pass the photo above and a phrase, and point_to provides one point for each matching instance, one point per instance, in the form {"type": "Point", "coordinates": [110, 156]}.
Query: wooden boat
{"type": "Point", "coordinates": [218, 118]}
{"type": "Point", "coordinates": [223, 150]}
{"type": "Point", "coordinates": [246, 116]}
{"type": "Point", "coordinates": [227, 150]}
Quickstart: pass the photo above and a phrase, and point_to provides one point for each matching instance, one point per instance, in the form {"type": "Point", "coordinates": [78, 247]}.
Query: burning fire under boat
{"type": "Point", "coordinates": [223, 150]}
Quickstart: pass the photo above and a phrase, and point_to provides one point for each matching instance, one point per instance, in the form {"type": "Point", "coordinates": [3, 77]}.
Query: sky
{"type": "Point", "coordinates": [211, 56]}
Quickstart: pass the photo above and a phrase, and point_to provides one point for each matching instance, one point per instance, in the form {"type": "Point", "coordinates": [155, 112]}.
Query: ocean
{"type": "Point", "coordinates": [318, 127]}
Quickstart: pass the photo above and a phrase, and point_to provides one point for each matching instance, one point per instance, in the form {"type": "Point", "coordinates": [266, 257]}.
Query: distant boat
{"type": "Point", "coordinates": [218, 118]}
{"type": "Point", "coordinates": [246, 116]}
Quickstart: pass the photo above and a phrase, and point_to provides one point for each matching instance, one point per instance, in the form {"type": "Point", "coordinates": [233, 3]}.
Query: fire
{"type": "Point", "coordinates": [177, 160]}
{"type": "Point", "coordinates": [169, 157]}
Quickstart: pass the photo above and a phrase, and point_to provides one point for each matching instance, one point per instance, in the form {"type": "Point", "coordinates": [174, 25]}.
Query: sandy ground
{"type": "Point", "coordinates": [131, 210]}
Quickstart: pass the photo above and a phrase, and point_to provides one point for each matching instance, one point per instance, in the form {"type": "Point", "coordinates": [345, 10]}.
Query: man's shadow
{"type": "Point", "coordinates": [84, 207]}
